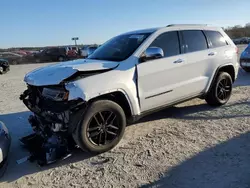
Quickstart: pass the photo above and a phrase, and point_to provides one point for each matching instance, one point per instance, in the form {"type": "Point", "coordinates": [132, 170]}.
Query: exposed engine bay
{"type": "Point", "coordinates": [53, 122]}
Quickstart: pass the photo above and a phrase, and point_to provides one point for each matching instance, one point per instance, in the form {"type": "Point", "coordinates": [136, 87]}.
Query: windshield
{"type": "Point", "coordinates": [119, 48]}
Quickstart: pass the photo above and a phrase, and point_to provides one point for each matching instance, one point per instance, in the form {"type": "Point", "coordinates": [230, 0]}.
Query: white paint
{"type": "Point", "coordinates": [1, 155]}
{"type": "Point", "coordinates": [193, 76]}
{"type": "Point", "coordinates": [54, 74]}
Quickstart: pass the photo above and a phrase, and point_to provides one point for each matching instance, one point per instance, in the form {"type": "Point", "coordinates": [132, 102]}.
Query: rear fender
{"type": "Point", "coordinates": [215, 74]}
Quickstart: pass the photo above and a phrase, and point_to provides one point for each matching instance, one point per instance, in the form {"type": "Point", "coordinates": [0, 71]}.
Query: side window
{"type": "Point", "coordinates": [169, 42]}
{"type": "Point", "coordinates": [216, 38]}
{"type": "Point", "coordinates": [54, 51]}
{"type": "Point", "coordinates": [194, 40]}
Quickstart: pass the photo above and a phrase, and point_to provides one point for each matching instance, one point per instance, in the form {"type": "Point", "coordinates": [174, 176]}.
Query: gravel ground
{"type": "Point", "coordinates": [189, 145]}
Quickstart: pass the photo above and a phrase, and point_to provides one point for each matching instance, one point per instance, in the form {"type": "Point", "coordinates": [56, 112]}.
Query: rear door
{"type": "Point", "coordinates": [199, 60]}
{"type": "Point", "coordinates": [220, 52]}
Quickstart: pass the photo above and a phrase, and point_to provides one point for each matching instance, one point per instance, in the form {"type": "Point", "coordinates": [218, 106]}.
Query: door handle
{"type": "Point", "coordinates": [178, 61]}
{"type": "Point", "coordinates": [211, 54]}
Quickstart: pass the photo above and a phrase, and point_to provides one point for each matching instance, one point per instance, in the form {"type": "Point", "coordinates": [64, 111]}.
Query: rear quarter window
{"type": "Point", "coordinates": [216, 39]}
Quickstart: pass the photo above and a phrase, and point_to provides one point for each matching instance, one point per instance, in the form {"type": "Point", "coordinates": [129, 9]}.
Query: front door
{"type": "Point", "coordinates": [159, 80]}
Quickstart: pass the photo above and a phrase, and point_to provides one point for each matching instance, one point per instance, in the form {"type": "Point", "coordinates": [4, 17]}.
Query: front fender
{"type": "Point", "coordinates": [76, 92]}
{"type": "Point", "coordinates": [105, 83]}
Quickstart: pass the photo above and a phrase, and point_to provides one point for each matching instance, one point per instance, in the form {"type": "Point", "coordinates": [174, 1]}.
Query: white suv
{"type": "Point", "coordinates": [129, 76]}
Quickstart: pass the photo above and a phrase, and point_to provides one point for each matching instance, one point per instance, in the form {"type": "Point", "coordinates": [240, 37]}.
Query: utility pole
{"type": "Point", "coordinates": [75, 39]}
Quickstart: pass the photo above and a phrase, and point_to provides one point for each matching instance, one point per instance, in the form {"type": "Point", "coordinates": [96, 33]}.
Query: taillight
{"type": "Point", "coordinates": [237, 50]}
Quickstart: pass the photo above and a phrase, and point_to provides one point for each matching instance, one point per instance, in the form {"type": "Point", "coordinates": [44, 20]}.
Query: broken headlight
{"type": "Point", "coordinates": [55, 94]}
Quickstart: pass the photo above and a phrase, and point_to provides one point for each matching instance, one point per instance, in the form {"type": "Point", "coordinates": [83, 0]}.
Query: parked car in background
{"type": "Point", "coordinates": [84, 51]}
{"type": "Point", "coordinates": [91, 50]}
{"type": "Point", "coordinates": [13, 58]}
{"type": "Point", "coordinates": [128, 77]}
{"type": "Point", "coordinates": [245, 59]}
{"type": "Point", "coordinates": [4, 66]}
{"type": "Point", "coordinates": [88, 50]}
{"type": "Point", "coordinates": [246, 40]}
{"type": "Point", "coordinates": [51, 54]}
{"type": "Point", "coordinates": [243, 40]}
{"type": "Point", "coordinates": [237, 41]}
{"type": "Point", "coordinates": [73, 52]}
{"type": "Point", "coordinates": [5, 142]}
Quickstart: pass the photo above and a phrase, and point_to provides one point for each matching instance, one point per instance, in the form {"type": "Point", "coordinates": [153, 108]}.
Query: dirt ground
{"type": "Point", "coordinates": [187, 146]}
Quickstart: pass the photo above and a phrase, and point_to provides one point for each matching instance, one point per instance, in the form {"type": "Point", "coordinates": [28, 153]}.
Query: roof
{"type": "Point", "coordinates": [150, 30]}
{"type": "Point", "coordinates": [188, 26]}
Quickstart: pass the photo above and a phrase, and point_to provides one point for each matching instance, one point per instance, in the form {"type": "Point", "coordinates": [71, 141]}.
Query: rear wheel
{"type": "Point", "coordinates": [221, 90]}
{"type": "Point", "coordinates": [102, 127]}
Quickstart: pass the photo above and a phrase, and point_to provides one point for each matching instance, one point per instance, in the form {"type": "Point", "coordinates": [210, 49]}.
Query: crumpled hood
{"type": "Point", "coordinates": [54, 74]}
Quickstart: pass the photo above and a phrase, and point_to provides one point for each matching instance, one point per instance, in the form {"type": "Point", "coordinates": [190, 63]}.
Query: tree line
{"type": "Point", "coordinates": [238, 31]}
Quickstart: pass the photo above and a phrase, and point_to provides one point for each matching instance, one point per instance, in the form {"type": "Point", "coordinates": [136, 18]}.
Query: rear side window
{"type": "Point", "coordinates": [52, 50]}
{"type": "Point", "coordinates": [194, 40]}
{"type": "Point", "coordinates": [168, 42]}
{"type": "Point", "coordinates": [216, 38]}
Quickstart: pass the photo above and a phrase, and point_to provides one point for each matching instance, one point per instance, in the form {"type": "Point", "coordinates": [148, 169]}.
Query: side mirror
{"type": "Point", "coordinates": [152, 53]}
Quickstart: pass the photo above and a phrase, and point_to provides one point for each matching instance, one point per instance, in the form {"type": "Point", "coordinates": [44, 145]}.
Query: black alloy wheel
{"type": "Point", "coordinates": [220, 91]}
{"type": "Point", "coordinates": [224, 89]}
{"type": "Point", "coordinates": [103, 128]}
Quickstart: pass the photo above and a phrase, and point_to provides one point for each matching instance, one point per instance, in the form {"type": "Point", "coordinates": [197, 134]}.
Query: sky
{"type": "Point", "coordinates": [33, 23]}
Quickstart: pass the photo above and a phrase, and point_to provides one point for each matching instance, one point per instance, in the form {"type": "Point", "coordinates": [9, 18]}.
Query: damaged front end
{"type": "Point", "coordinates": [53, 121]}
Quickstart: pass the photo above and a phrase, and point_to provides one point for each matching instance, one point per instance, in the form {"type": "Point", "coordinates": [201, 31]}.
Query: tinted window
{"type": "Point", "coordinates": [169, 42]}
{"type": "Point", "coordinates": [216, 38]}
{"type": "Point", "coordinates": [194, 40]}
{"type": "Point", "coordinates": [119, 48]}
{"type": "Point", "coordinates": [54, 50]}
{"type": "Point", "coordinates": [48, 51]}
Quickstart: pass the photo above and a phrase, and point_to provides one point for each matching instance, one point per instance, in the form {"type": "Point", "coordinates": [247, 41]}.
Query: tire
{"type": "Point", "coordinates": [61, 58]}
{"type": "Point", "coordinates": [1, 70]}
{"type": "Point", "coordinates": [38, 61]}
{"type": "Point", "coordinates": [83, 134]}
{"type": "Point", "coordinates": [219, 95]}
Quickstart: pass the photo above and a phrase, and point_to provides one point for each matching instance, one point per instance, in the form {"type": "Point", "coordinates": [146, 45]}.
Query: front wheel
{"type": "Point", "coordinates": [61, 58]}
{"type": "Point", "coordinates": [102, 127]}
{"type": "Point", "coordinates": [221, 90]}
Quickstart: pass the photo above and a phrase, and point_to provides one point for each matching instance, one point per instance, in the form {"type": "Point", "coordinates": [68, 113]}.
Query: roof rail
{"type": "Point", "coordinates": [171, 25]}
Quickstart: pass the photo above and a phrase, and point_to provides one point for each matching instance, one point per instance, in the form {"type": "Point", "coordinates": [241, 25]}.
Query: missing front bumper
{"type": "Point", "coordinates": [46, 151]}
{"type": "Point", "coordinates": [53, 123]}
